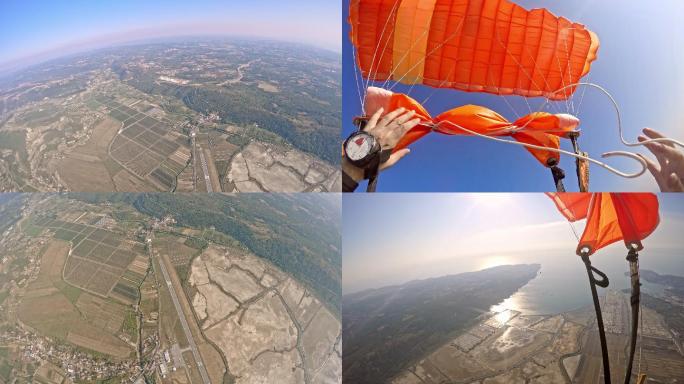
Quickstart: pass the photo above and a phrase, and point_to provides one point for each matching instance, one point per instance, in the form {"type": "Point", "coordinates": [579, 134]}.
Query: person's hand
{"type": "Point", "coordinates": [669, 169]}
{"type": "Point", "coordinates": [387, 130]}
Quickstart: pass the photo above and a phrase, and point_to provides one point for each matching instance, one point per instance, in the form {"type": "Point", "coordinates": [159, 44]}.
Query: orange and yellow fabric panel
{"type": "Point", "coordinates": [492, 46]}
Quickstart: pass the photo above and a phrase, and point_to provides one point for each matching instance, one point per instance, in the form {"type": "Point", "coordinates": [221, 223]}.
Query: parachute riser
{"type": "Point", "coordinates": [603, 283]}
{"type": "Point", "coordinates": [581, 166]}
{"type": "Point", "coordinates": [557, 173]}
{"type": "Point", "coordinates": [633, 259]}
{"type": "Point", "coordinates": [360, 122]}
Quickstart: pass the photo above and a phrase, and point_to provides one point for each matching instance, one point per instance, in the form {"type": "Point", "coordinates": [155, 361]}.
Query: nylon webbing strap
{"type": "Point", "coordinates": [633, 258]}
{"type": "Point", "coordinates": [581, 166]}
{"type": "Point", "coordinates": [593, 282]}
{"type": "Point", "coordinates": [558, 176]}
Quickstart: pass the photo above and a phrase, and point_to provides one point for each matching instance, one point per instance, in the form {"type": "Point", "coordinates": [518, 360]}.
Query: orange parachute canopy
{"type": "Point", "coordinates": [611, 217]}
{"type": "Point", "coordinates": [491, 46]}
{"type": "Point", "coordinates": [538, 128]}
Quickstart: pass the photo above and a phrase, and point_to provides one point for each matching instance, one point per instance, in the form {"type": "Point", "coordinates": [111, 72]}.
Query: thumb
{"type": "Point", "coordinates": [394, 158]}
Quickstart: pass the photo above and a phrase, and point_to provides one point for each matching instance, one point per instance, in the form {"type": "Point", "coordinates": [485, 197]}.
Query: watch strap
{"type": "Point", "coordinates": [348, 183]}
{"type": "Point", "coordinates": [373, 169]}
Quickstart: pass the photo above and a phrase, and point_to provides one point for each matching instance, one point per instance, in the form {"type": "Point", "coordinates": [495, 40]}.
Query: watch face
{"type": "Point", "coordinates": [359, 146]}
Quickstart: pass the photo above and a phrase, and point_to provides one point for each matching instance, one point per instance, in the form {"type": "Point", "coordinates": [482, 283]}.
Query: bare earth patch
{"type": "Point", "coordinates": [272, 168]}
{"type": "Point", "coordinates": [274, 329]}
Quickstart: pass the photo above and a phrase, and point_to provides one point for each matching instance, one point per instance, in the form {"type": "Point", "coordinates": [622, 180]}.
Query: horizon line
{"type": "Point", "coordinates": [125, 37]}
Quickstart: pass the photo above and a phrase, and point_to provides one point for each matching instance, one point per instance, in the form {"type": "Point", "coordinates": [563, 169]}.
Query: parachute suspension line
{"type": "Point", "coordinates": [663, 140]}
{"type": "Point", "coordinates": [522, 69]}
{"type": "Point", "coordinates": [527, 102]}
{"type": "Point", "coordinates": [535, 69]}
{"type": "Point", "coordinates": [441, 84]}
{"type": "Point", "coordinates": [489, 75]}
{"type": "Point", "coordinates": [420, 62]}
{"type": "Point", "coordinates": [401, 60]}
{"type": "Point", "coordinates": [413, 84]}
{"type": "Point", "coordinates": [562, 151]}
{"type": "Point", "coordinates": [584, 90]}
{"type": "Point", "coordinates": [633, 259]}
{"type": "Point", "coordinates": [603, 283]}
{"type": "Point", "coordinates": [574, 231]}
{"type": "Point", "coordinates": [357, 69]}
{"type": "Point", "coordinates": [384, 28]}
{"type": "Point", "coordinates": [505, 99]}
{"type": "Point", "coordinates": [567, 67]}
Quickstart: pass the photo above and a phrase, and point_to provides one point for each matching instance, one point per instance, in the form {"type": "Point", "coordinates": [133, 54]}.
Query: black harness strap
{"type": "Point", "coordinates": [603, 283]}
{"type": "Point", "coordinates": [558, 176]}
{"type": "Point", "coordinates": [557, 173]}
{"type": "Point", "coordinates": [633, 258]}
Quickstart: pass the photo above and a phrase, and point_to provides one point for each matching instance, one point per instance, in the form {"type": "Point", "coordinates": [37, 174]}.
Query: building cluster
{"type": "Point", "coordinates": [79, 366]}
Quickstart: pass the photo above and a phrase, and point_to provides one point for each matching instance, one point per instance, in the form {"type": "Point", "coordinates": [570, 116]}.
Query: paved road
{"type": "Point", "coordinates": [205, 169]}
{"type": "Point", "coordinates": [184, 323]}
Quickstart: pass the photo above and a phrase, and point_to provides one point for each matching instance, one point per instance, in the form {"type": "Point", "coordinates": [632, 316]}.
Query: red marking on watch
{"type": "Point", "coordinates": [359, 141]}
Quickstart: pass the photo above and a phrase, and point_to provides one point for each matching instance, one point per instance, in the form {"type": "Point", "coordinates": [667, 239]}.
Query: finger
{"type": "Point", "coordinates": [658, 150]}
{"type": "Point", "coordinates": [374, 119]}
{"type": "Point", "coordinates": [394, 158]}
{"type": "Point", "coordinates": [409, 125]}
{"type": "Point", "coordinates": [669, 151]}
{"type": "Point", "coordinates": [653, 134]}
{"type": "Point", "coordinates": [655, 171]}
{"type": "Point", "coordinates": [404, 117]}
{"type": "Point", "coordinates": [653, 147]}
{"type": "Point", "coordinates": [674, 184]}
{"type": "Point", "coordinates": [391, 116]}
{"type": "Point", "coordinates": [393, 136]}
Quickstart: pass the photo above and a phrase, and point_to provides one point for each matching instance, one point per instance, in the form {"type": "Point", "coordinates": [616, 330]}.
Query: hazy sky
{"type": "Point", "coordinates": [639, 62]}
{"type": "Point", "coordinates": [394, 238]}
{"type": "Point", "coordinates": [29, 27]}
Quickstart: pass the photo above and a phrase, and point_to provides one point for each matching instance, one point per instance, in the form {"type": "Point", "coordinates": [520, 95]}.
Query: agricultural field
{"type": "Point", "coordinates": [137, 120]}
{"type": "Point", "coordinates": [100, 261]}
{"type": "Point", "coordinates": [94, 289]}
{"type": "Point", "coordinates": [75, 316]}
{"type": "Point", "coordinates": [146, 146]}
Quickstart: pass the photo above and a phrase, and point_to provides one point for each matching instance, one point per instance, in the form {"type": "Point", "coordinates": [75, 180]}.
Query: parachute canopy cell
{"type": "Point", "coordinates": [491, 46]}
{"type": "Point", "coordinates": [611, 217]}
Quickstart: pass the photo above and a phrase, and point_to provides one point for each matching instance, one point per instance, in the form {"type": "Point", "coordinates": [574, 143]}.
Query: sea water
{"type": "Point", "coordinates": [562, 283]}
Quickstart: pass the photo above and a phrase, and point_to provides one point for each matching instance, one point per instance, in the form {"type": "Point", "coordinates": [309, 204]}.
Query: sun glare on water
{"type": "Point", "coordinates": [504, 308]}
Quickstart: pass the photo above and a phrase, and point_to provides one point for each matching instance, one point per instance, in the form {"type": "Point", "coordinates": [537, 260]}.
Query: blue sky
{"type": "Point", "coordinates": [30, 27]}
{"type": "Point", "coordinates": [639, 62]}
{"type": "Point", "coordinates": [392, 238]}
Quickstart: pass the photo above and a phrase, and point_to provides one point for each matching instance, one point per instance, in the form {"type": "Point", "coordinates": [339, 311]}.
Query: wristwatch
{"type": "Point", "coordinates": [361, 148]}
{"type": "Point", "coordinates": [363, 151]}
